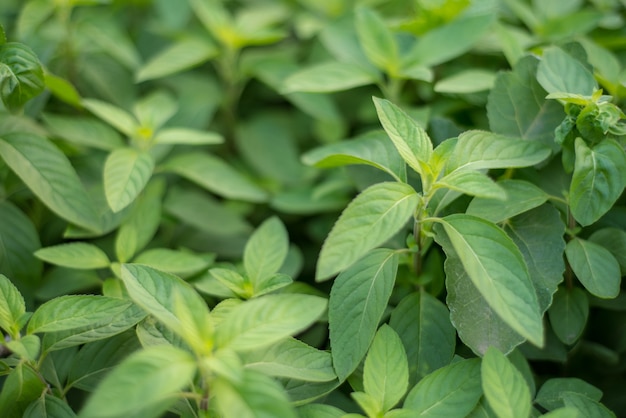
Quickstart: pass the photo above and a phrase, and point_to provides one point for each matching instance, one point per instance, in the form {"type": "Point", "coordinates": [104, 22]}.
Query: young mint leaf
{"type": "Point", "coordinates": [377, 40]}
{"type": "Point", "coordinates": [473, 183]}
{"type": "Point", "coordinates": [12, 307]}
{"type": "Point", "coordinates": [126, 173]}
{"type": "Point", "coordinates": [329, 77]}
{"type": "Point", "coordinates": [117, 117]}
{"type": "Point", "coordinates": [78, 255]}
{"type": "Point", "coordinates": [266, 250]}
{"type": "Point", "coordinates": [559, 72]}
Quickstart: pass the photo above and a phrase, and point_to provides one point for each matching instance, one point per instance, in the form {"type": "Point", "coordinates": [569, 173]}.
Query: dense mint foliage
{"type": "Point", "coordinates": [312, 208]}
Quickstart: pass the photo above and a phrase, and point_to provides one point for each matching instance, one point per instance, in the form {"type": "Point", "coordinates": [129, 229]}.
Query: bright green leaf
{"type": "Point", "coordinates": [568, 314]}
{"type": "Point", "coordinates": [117, 117]}
{"type": "Point", "coordinates": [180, 263]}
{"type": "Point", "coordinates": [466, 81]}
{"type": "Point", "coordinates": [126, 173]}
{"type": "Point", "coordinates": [62, 89]}
{"type": "Point", "coordinates": [558, 72]}
{"type": "Point", "coordinates": [328, 77]}
{"type": "Point", "coordinates": [521, 196]}
{"type": "Point", "coordinates": [595, 267]}
{"type": "Point", "coordinates": [78, 255]}
{"type": "Point", "coordinates": [373, 217]}
{"type": "Point", "coordinates": [86, 131]}
{"type": "Point", "coordinates": [377, 40]}
{"type": "Point", "coordinates": [473, 183]}
{"type": "Point", "coordinates": [266, 250]}
{"type": "Point", "coordinates": [12, 307]}
{"type": "Point", "coordinates": [184, 136]}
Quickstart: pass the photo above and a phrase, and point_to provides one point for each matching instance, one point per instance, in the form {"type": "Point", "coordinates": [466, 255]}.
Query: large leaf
{"type": "Point", "coordinates": [568, 314]}
{"type": "Point", "coordinates": [559, 72]}
{"type": "Point", "coordinates": [587, 407]}
{"type": "Point", "coordinates": [550, 395]}
{"type": "Point", "coordinates": [143, 385]}
{"type": "Point", "coordinates": [49, 174]}
{"type": "Point", "coordinates": [215, 175]}
{"type": "Point", "coordinates": [410, 139]}
{"type": "Point", "coordinates": [260, 322]}
{"type": "Point", "coordinates": [377, 40]}
{"type": "Point", "coordinates": [386, 371]}
{"type": "Point", "coordinates": [21, 75]}
{"type": "Point", "coordinates": [266, 250]}
{"type": "Point", "coordinates": [599, 179]}
{"type": "Point", "coordinates": [453, 390]}
{"type": "Point", "coordinates": [23, 385]}
{"type": "Point", "coordinates": [373, 217]}
{"type": "Point", "coordinates": [126, 173]}
{"type": "Point", "coordinates": [328, 77]}
{"type": "Point", "coordinates": [79, 255]}
{"type": "Point", "coordinates": [357, 302]}
{"type": "Point", "coordinates": [504, 386]}
{"type": "Point", "coordinates": [595, 267]}
{"type": "Point", "coordinates": [49, 406]}
{"type": "Point", "coordinates": [498, 270]}
{"type": "Point", "coordinates": [12, 307]}
{"type": "Point", "coordinates": [180, 263]}
{"type": "Point", "coordinates": [517, 107]}
{"type": "Point", "coordinates": [423, 324]}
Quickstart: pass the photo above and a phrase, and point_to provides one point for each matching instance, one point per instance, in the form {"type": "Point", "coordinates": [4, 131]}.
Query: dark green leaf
{"type": "Point", "coordinates": [550, 395]}
{"type": "Point", "coordinates": [49, 406]}
{"type": "Point", "coordinates": [21, 75]}
{"type": "Point", "coordinates": [86, 131]}
{"type": "Point", "coordinates": [568, 314]}
{"type": "Point", "coordinates": [614, 240]}
{"type": "Point", "coordinates": [22, 387]}
{"type": "Point", "coordinates": [587, 407]}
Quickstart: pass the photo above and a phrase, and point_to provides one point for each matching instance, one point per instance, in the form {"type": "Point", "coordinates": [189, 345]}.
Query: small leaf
{"type": "Point", "coordinates": [550, 395]}
{"type": "Point", "coordinates": [119, 118]}
{"type": "Point", "coordinates": [62, 89]}
{"type": "Point", "coordinates": [144, 384]}
{"type": "Point", "coordinates": [12, 307]}
{"type": "Point", "coordinates": [498, 270]}
{"type": "Point", "coordinates": [357, 302]}
{"type": "Point", "coordinates": [504, 386]}
{"type": "Point", "coordinates": [587, 407]}
{"type": "Point", "coordinates": [318, 410]}
{"type": "Point", "coordinates": [473, 183]}
{"type": "Point", "coordinates": [182, 55]}
{"type": "Point", "coordinates": [260, 322]}
{"type": "Point", "coordinates": [49, 174]}
{"type": "Point", "coordinates": [328, 77]}
{"type": "Point", "coordinates": [266, 250]}
{"type": "Point", "coordinates": [410, 139]}
{"type": "Point", "coordinates": [568, 314]}
{"type": "Point", "coordinates": [560, 72]}
{"type": "Point", "coordinates": [180, 263]}
{"type": "Point", "coordinates": [598, 179]}
{"type": "Point", "coordinates": [126, 173]}
{"type": "Point", "coordinates": [595, 267]}
{"type": "Point", "coordinates": [78, 255]}
{"type": "Point", "coordinates": [453, 390]}
{"type": "Point", "coordinates": [75, 311]}
{"type": "Point", "coordinates": [155, 109]}
{"type": "Point", "coordinates": [373, 217]}
{"type": "Point", "coordinates": [614, 240]}
{"type": "Point", "coordinates": [466, 81]}
{"type": "Point", "coordinates": [377, 40]}
{"type": "Point", "coordinates": [386, 371]}
{"type": "Point", "coordinates": [184, 136]}
{"type": "Point", "coordinates": [521, 196]}
{"type": "Point", "coordinates": [21, 75]}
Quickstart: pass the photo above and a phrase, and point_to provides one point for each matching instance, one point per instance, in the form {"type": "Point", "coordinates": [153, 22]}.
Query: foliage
{"type": "Point", "coordinates": [312, 208]}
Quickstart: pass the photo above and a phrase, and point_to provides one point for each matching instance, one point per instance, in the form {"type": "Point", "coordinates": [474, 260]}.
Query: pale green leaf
{"type": "Point", "coordinates": [49, 174]}
{"type": "Point", "coordinates": [86, 131]}
{"type": "Point", "coordinates": [126, 173]}
{"type": "Point", "coordinates": [386, 370]}
{"type": "Point", "coordinates": [62, 89]}
{"type": "Point", "coordinates": [261, 322]}
{"type": "Point", "coordinates": [185, 136]}
{"type": "Point", "coordinates": [145, 384]}
{"type": "Point", "coordinates": [358, 299]}
{"type": "Point", "coordinates": [568, 314]}
{"type": "Point", "coordinates": [521, 196]}
{"type": "Point", "coordinates": [558, 72]}
{"type": "Point", "coordinates": [588, 408]}
{"type": "Point", "coordinates": [291, 358]}
{"type": "Point", "coordinates": [453, 390]}
{"type": "Point", "coordinates": [180, 263]}
{"type": "Point", "coordinates": [367, 403]}
{"type": "Point", "coordinates": [75, 311]}
{"type": "Point", "coordinates": [216, 176]}
{"type": "Point", "coordinates": [328, 77]}
{"type": "Point", "coordinates": [377, 40]}
{"type": "Point", "coordinates": [409, 138]}
{"type": "Point", "coordinates": [423, 324]}
{"type": "Point", "coordinates": [155, 109]}
{"type": "Point", "coordinates": [181, 55]}
{"type": "Point", "coordinates": [373, 217]}
{"type": "Point", "coordinates": [466, 81]}
{"type": "Point", "coordinates": [266, 250]}
{"type": "Point", "coordinates": [12, 306]}
{"type": "Point", "coordinates": [595, 267]}
{"type": "Point", "coordinates": [498, 270]}
{"type": "Point", "coordinates": [550, 395]}
{"type": "Point", "coordinates": [78, 255]}
{"type": "Point", "coordinates": [473, 183]}
{"type": "Point", "coordinates": [564, 412]}
{"type": "Point", "coordinates": [598, 180]}
{"type": "Point", "coordinates": [119, 118]}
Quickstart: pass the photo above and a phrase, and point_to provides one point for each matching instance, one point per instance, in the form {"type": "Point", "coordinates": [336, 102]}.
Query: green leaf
{"type": "Point", "coordinates": [21, 75]}
{"type": "Point", "coordinates": [411, 141]}
{"type": "Point", "coordinates": [559, 72]}
{"type": "Point", "coordinates": [182, 55]}
{"type": "Point", "coordinates": [453, 390]}
{"type": "Point", "coordinates": [291, 358]}
{"type": "Point", "coordinates": [498, 270]}
{"type": "Point", "coordinates": [143, 385]}
{"type": "Point", "coordinates": [550, 395]}
{"type": "Point", "coordinates": [266, 250]}
{"type": "Point", "coordinates": [478, 150]}
{"type": "Point", "coordinates": [565, 412]}
{"type": "Point", "coordinates": [328, 77]}
{"type": "Point", "coordinates": [377, 40]}
{"type": "Point", "coordinates": [12, 307]}
{"type": "Point", "coordinates": [260, 322]}
{"type": "Point", "coordinates": [75, 311]}
{"type": "Point", "coordinates": [423, 324]}
{"type": "Point", "coordinates": [358, 299]}
{"type": "Point", "coordinates": [598, 179]}
{"type": "Point", "coordinates": [587, 407]}
{"type": "Point", "coordinates": [473, 183]}
{"type": "Point", "coordinates": [614, 240]}
{"type": "Point", "coordinates": [373, 148]}
{"type": "Point", "coordinates": [86, 131]}
{"type": "Point", "coordinates": [318, 410]}
{"type": "Point", "coordinates": [504, 386]}
{"type": "Point", "coordinates": [22, 387]}
{"type": "Point", "coordinates": [49, 406]}
{"type": "Point", "coordinates": [180, 263]}
{"type": "Point", "coordinates": [215, 175]}
{"type": "Point", "coordinates": [117, 117]}
{"type": "Point", "coordinates": [521, 196]}
{"type": "Point", "coordinates": [78, 255]}
{"type": "Point", "coordinates": [62, 89]}
{"type": "Point", "coordinates": [448, 41]}
{"type": "Point", "coordinates": [155, 109]}
{"type": "Point", "coordinates": [595, 267]}
{"type": "Point", "coordinates": [386, 370]}
{"type": "Point", "coordinates": [184, 136]}
{"type": "Point", "coordinates": [126, 173]}
{"type": "Point", "coordinates": [568, 314]}
{"type": "Point", "coordinates": [255, 396]}
{"type": "Point", "coordinates": [466, 81]}
{"type": "Point", "coordinates": [49, 174]}
{"type": "Point", "coordinates": [373, 217]}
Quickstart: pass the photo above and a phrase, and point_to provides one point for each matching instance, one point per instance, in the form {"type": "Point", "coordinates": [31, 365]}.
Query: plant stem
{"type": "Point", "coordinates": [417, 257]}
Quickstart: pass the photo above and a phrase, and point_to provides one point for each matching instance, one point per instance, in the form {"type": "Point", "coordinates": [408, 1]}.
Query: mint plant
{"type": "Point", "coordinates": [312, 209]}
